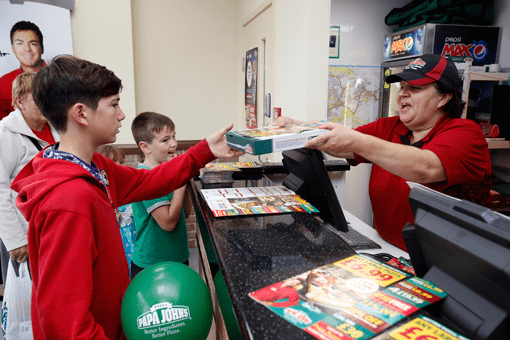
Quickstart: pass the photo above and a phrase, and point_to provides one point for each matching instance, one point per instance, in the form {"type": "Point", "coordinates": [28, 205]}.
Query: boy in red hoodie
{"type": "Point", "coordinates": [69, 194]}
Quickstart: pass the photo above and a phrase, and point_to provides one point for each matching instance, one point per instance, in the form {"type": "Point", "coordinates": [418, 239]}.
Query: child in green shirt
{"type": "Point", "coordinates": [161, 233]}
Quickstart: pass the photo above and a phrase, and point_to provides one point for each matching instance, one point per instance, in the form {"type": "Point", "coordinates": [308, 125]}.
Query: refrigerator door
{"type": "Point", "coordinates": [387, 100]}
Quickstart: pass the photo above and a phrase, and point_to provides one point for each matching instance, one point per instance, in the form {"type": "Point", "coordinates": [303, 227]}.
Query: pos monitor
{"type": "Point", "coordinates": [464, 249]}
{"type": "Point", "coordinates": [309, 179]}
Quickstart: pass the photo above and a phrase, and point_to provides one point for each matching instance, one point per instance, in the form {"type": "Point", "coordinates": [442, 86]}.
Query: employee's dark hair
{"type": "Point", "coordinates": [28, 26]}
{"type": "Point", "coordinates": [146, 124]}
{"type": "Point", "coordinates": [69, 80]}
{"type": "Point", "coordinates": [455, 105]}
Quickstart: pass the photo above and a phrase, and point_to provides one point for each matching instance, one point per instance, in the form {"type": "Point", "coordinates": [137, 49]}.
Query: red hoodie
{"type": "Point", "coordinates": [77, 259]}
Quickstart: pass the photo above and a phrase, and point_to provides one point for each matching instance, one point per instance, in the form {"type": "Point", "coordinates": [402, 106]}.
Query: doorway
{"type": "Point", "coordinates": [258, 32]}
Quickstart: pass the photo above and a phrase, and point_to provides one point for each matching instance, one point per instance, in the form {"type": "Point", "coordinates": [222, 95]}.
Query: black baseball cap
{"type": "Point", "coordinates": [427, 69]}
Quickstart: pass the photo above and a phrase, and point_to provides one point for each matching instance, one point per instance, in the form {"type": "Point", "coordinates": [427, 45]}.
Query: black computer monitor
{"type": "Point", "coordinates": [464, 249]}
{"type": "Point", "coordinates": [308, 177]}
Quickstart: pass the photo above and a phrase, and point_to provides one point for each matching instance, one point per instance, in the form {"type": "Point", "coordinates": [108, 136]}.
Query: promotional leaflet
{"type": "Point", "coordinates": [222, 172]}
{"type": "Point", "coordinates": [255, 200]}
{"type": "Point", "coordinates": [420, 328]}
{"type": "Point", "coordinates": [229, 166]}
{"type": "Point", "coordinates": [355, 298]}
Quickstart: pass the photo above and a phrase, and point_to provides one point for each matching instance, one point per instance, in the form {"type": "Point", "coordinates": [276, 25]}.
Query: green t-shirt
{"type": "Point", "coordinates": [153, 244]}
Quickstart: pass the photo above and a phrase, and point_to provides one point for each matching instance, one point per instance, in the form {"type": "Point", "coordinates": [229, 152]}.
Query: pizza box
{"type": "Point", "coordinates": [270, 139]}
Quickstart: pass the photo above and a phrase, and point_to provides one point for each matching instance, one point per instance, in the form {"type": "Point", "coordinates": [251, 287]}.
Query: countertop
{"type": "Point", "coordinates": [258, 250]}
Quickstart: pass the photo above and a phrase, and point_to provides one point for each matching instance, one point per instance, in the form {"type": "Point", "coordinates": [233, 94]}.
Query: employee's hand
{"type": "Point", "coordinates": [284, 120]}
{"type": "Point", "coordinates": [19, 254]}
{"type": "Point", "coordinates": [218, 144]}
{"type": "Point", "coordinates": [340, 139]}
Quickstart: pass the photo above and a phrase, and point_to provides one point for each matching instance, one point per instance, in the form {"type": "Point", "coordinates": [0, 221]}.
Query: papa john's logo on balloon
{"type": "Point", "coordinates": [162, 314]}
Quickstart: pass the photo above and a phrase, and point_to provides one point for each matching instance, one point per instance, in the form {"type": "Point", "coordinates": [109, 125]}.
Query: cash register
{"type": "Point", "coordinates": [464, 249]}
{"type": "Point", "coordinates": [308, 177]}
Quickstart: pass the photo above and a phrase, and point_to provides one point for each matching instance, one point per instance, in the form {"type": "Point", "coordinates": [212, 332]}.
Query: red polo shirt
{"type": "Point", "coordinates": [463, 151]}
{"type": "Point", "coordinates": [6, 92]}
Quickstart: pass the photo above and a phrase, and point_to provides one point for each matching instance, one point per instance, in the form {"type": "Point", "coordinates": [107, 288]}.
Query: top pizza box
{"type": "Point", "coordinates": [270, 139]}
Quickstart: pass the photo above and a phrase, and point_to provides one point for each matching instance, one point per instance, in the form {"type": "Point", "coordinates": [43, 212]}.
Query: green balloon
{"type": "Point", "coordinates": [168, 300]}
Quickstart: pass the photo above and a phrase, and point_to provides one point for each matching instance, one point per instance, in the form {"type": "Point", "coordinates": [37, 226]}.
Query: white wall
{"type": "Point", "coordinates": [186, 62]}
{"type": "Point", "coordinates": [302, 49]}
{"type": "Point", "coordinates": [362, 30]}
{"type": "Point", "coordinates": [248, 7]}
{"type": "Point", "coordinates": [102, 34]}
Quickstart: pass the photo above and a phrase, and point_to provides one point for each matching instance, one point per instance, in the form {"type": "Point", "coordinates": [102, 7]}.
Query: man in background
{"type": "Point", "coordinates": [27, 46]}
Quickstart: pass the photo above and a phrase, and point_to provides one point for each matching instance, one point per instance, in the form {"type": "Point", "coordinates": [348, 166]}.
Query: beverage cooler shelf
{"type": "Point", "coordinates": [468, 76]}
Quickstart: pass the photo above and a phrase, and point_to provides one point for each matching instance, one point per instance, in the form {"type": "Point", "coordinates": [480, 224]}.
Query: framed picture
{"type": "Point", "coordinates": [250, 88]}
{"type": "Point", "coordinates": [334, 42]}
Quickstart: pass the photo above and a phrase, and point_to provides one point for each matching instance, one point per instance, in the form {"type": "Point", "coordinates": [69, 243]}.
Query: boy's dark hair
{"type": "Point", "coordinates": [146, 124]}
{"type": "Point", "coordinates": [68, 80]}
{"type": "Point", "coordinates": [28, 26]}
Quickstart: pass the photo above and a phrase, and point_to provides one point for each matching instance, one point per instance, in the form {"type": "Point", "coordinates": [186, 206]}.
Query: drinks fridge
{"type": "Point", "coordinates": [457, 42]}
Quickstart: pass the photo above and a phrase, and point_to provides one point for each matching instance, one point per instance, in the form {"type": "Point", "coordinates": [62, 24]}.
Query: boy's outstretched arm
{"type": "Point", "coordinates": [167, 216]}
{"type": "Point", "coordinates": [218, 144]}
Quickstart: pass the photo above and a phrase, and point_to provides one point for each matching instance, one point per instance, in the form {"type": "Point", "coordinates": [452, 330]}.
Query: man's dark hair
{"type": "Point", "coordinates": [68, 80]}
{"type": "Point", "coordinates": [146, 124]}
{"type": "Point", "coordinates": [27, 26]}
{"type": "Point", "coordinates": [455, 105]}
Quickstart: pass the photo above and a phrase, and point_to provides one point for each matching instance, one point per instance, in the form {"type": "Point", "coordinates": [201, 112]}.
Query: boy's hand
{"type": "Point", "coordinates": [218, 144]}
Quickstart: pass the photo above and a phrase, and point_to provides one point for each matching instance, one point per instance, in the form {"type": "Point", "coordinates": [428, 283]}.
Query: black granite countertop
{"type": "Point", "coordinates": [256, 251]}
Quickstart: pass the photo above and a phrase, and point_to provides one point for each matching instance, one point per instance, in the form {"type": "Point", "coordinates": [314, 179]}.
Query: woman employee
{"type": "Point", "coordinates": [427, 143]}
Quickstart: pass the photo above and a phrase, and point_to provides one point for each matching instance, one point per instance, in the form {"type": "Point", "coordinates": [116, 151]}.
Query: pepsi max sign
{"type": "Point", "coordinates": [456, 42]}
{"type": "Point", "coordinates": [477, 50]}
{"type": "Point", "coordinates": [460, 42]}
{"type": "Point", "coordinates": [404, 45]}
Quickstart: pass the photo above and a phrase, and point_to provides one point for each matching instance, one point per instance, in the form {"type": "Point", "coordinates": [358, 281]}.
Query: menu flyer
{"type": "Point", "coordinates": [255, 200]}
{"type": "Point", "coordinates": [222, 172]}
{"type": "Point", "coordinates": [229, 166]}
{"type": "Point", "coordinates": [355, 298]}
{"type": "Point", "coordinates": [420, 328]}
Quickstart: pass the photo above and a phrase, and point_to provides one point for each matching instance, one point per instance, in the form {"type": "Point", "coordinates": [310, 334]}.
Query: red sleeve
{"type": "Point", "coordinates": [463, 151]}
{"type": "Point", "coordinates": [382, 128]}
{"type": "Point", "coordinates": [65, 281]}
{"type": "Point", "coordinates": [130, 185]}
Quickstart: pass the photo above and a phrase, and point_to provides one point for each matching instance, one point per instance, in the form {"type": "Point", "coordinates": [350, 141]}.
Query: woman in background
{"type": "Point", "coordinates": [23, 133]}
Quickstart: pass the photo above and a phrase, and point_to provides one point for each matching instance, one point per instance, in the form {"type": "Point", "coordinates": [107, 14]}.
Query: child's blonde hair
{"type": "Point", "coordinates": [21, 86]}
{"type": "Point", "coordinates": [113, 152]}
